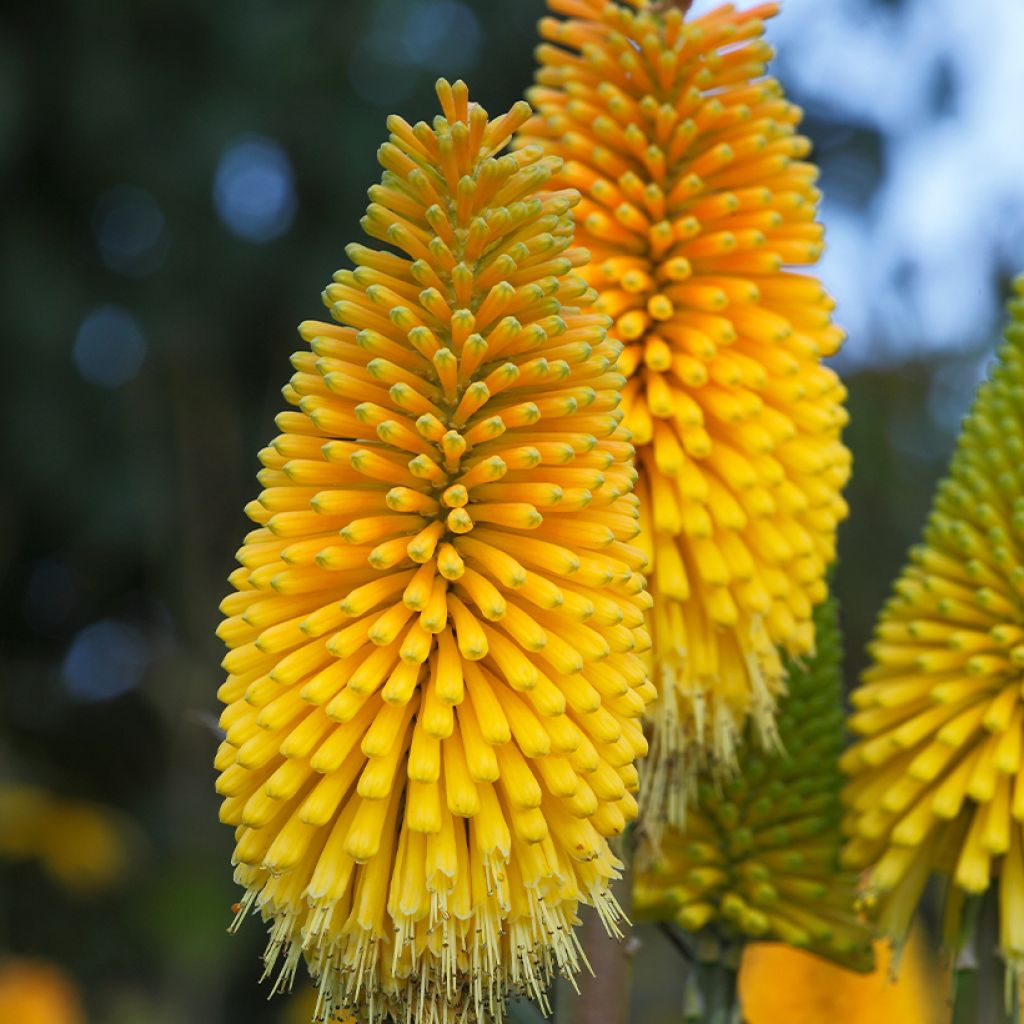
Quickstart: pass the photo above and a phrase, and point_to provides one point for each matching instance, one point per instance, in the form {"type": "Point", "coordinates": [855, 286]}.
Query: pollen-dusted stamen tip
{"type": "Point", "coordinates": [435, 677]}
{"type": "Point", "coordinates": [699, 212]}
{"type": "Point", "coordinates": [935, 777]}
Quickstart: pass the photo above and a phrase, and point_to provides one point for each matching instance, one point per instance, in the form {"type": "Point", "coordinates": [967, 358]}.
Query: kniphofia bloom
{"type": "Point", "coordinates": [435, 676]}
{"type": "Point", "coordinates": [937, 779]}
{"type": "Point", "coordinates": [697, 206]}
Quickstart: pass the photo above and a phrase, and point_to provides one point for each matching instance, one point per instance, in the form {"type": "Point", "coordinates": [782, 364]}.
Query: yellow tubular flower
{"type": "Point", "coordinates": [695, 199]}
{"type": "Point", "coordinates": [435, 677]}
{"type": "Point", "coordinates": [759, 857]}
{"type": "Point", "coordinates": [937, 779]}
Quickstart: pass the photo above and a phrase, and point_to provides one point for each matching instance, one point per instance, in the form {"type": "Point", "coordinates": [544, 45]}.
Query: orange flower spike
{"type": "Point", "coordinates": [697, 208]}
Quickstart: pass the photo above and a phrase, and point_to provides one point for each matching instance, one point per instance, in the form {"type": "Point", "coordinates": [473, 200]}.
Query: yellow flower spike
{"type": "Point", "coordinates": [759, 857]}
{"type": "Point", "coordinates": [936, 777]}
{"type": "Point", "coordinates": [435, 675]}
{"type": "Point", "coordinates": [697, 209]}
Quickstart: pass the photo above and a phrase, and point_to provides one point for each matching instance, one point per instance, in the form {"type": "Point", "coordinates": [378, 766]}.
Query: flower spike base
{"type": "Point", "coordinates": [436, 679]}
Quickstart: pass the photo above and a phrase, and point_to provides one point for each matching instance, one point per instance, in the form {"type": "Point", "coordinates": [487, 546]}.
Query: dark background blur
{"type": "Point", "coordinates": [179, 181]}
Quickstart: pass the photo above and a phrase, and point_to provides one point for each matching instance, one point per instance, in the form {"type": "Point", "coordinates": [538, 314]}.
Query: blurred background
{"type": "Point", "coordinates": [179, 182]}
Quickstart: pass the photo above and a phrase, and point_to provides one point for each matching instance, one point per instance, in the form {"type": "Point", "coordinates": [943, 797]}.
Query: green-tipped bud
{"type": "Point", "coordinates": [762, 848]}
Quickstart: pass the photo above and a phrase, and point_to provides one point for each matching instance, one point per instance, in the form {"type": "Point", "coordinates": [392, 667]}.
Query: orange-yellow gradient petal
{"type": "Point", "coordinates": [937, 779]}
{"type": "Point", "coordinates": [436, 675]}
{"type": "Point", "coordinates": [699, 211]}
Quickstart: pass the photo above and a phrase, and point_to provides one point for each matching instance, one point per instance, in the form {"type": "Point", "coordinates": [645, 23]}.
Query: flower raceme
{"type": "Point", "coordinates": [695, 205]}
{"type": "Point", "coordinates": [759, 856]}
{"type": "Point", "coordinates": [937, 779]}
{"type": "Point", "coordinates": [435, 677]}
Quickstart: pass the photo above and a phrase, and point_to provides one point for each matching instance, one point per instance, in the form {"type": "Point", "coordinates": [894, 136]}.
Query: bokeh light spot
{"type": "Point", "coordinates": [106, 660]}
{"type": "Point", "coordinates": [254, 189]}
{"type": "Point", "coordinates": [110, 346]}
{"type": "Point", "coordinates": [442, 36]}
{"type": "Point", "coordinates": [404, 38]}
{"type": "Point", "coordinates": [131, 232]}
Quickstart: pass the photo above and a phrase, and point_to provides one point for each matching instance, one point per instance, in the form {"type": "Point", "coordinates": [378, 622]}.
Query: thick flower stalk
{"type": "Point", "coordinates": [759, 857]}
{"type": "Point", "coordinates": [937, 779]}
{"type": "Point", "coordinates": [435, 676]}
{"type": "Point", "coordinates": [696, 205]}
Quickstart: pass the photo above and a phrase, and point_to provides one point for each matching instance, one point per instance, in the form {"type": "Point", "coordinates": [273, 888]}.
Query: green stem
{"type": "Point", "coordinates": [981, 992]}
{"type": "Point", "coordinates": [965, 990]}
{"type": "Point", "coordinates": [712, 995]}
{"type": "Point", "coordinates": [680, 944]}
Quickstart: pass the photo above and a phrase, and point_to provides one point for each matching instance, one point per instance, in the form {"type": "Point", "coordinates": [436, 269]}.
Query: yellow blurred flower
{"type": "Point", "coordinates": [435, 677]}
{"type": "Point", "coordinates": [937, 781]}
{"type": "Point", "coordinates": [82, 845]}
{"type": "Point", "coordinates": [33, 992]}
{"type": "Point", "coordinates": [696, 206]}
{"type": "Point", "coordinates": [782, 985]}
